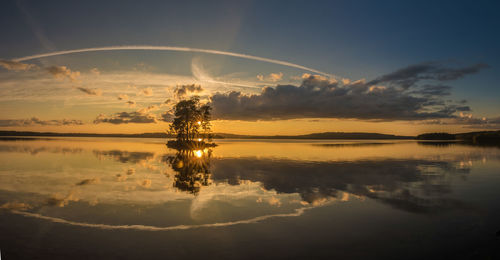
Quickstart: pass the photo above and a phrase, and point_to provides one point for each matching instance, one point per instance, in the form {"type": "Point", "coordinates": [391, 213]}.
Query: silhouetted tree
{"type": "Point", "coordinates": [192, 121]}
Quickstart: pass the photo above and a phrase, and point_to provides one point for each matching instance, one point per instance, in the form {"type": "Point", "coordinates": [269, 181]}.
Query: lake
{"type": "Point", "coordinates": [119, 198]}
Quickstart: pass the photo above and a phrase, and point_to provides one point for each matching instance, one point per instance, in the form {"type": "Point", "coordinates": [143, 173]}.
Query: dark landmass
{"type": "Point", "coordinates": [189, 145]}
{"type": "Point", "coordinates": [326, 135]}
{"type": "Point", "coordinates": [482, 137]}
{"type": "Point", "coordinates": [436, 136]}
{"type": "Point", "coordinates": [477, 138]}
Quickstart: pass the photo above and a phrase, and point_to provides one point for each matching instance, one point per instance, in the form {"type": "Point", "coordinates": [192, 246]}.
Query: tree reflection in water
{"type": "Point", "coordinates": [192, 169]}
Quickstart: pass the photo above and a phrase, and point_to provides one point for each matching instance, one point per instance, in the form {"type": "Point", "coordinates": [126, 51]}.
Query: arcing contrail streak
{"type": "Point", "coordinates": [296, 213]}
{"type": "Point", "coordinates": [172, 48]}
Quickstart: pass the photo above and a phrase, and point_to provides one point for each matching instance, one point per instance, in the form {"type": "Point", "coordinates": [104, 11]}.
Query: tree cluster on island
{"type": "Point", "coordinates": [191, 125]}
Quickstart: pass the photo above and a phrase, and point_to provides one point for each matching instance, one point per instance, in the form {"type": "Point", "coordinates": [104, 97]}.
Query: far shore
{"type": "Point", "coordinates": [482, 137]}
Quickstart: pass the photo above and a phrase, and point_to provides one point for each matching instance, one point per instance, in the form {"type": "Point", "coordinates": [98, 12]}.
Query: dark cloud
{"type": "Point", "coordinates": [410, 75]}
{"type": "Point", "coordinates": [131, 103]}
{"type": "Point", "coordinates": [181, 91]}
{"type": "Point", "coordinates": [395, 96]}
{"type": "Point", "coordinates": [125, 118]}
{"type": "Point", "coordinates": [36, 121]}
{"type": "Point", "coordinates": [93, 92]}
{"type": "Point", "coordinates": [322, 98]}
{"type": "Point", "coordinates": [88, 181]}
{"type": "Point", "coordinates": [433, 90]}
{"type": "Point", "coordinates": [15, 65]}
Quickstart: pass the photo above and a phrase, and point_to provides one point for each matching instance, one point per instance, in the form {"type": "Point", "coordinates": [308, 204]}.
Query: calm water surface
{"type": "Point", "coordinates": [135, 198]}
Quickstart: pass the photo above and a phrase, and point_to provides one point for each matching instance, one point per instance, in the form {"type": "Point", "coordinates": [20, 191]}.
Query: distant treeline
{"type": "Point", "coordinates": [52, 134]}
{"type": "Point", "coordinates": [327, 135]}
{"type": "Point", "coordinates": [483, 137]}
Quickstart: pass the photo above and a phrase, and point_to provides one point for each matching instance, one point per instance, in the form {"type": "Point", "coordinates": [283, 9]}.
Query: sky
{"type": "Point", "coordinates": [265, 67]}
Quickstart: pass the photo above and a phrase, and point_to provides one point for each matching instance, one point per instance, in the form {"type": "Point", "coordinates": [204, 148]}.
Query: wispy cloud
{"type": "Point", "coordinates": [36, 121]}
{"type": "Point", "coordinates": [437, 71]}
{"type": "Point", "coordinates": [146, 92]}
{"type": "Point", "coordinates": [95, 71]}
{"type": "Point", "coordinates": [148, 109]}
{"type": "Point", "coordinates": [126, 118]}
{"type": "Point", "coordinates": [15, 65]}
{"type": "Point", "coordinates": [92, 92]}
{"type": "Point", "coordinates": [123, 97]}
{"type": "Point", "coordinates": [131, 103]}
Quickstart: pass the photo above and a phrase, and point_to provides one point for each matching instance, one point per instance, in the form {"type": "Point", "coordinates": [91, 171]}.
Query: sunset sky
{"type": "Point", "coordinates": [266, 67]}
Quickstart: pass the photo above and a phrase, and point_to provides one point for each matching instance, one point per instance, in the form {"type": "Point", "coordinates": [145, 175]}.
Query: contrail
{"type": "Point", "coordinates": [173, 48]}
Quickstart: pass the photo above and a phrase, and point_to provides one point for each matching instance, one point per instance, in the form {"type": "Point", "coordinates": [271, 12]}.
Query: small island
{"type": "Point", "coordinates": [191, 125]}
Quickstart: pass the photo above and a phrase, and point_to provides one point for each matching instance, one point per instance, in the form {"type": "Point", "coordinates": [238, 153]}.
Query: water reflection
{"type": "Point", "coordinates": [124, 156]}
{"type": "Point", "coordinates": [231, 182]}
{"type": "Point", "coordinates": [309, 192]}
{"type": "Point", "coordinates": [410, 185]}
{"type": "Point", "coordinates": [192, 169]}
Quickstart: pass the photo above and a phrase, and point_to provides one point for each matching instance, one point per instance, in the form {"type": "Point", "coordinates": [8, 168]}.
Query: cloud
{"type": "Point", "coordinates": [409, 76]}
{"type": "Point", "coordinates": [146, 183]}
{"type": "Point", "coordinates": [62, 72]}
{"type": "Point", "coordinates": [273, 77]}
{"type": "Point", "coordinates": [148, 109]}
{"type": "Point", "coordinates": [125, 118]}
{"type": "Point", "coordinates": [94, 92]}
{"type": "Point", "coordinates": [273, 201]}
{"type": "Point", "coordinates": [131, 103]}
{"type": "Point", "coordinates": [15, 206]}
{"type": "Point", "coordinates": [318, 98]}
{"type": "Point", "coordinates": [395, 96]}
{"type": "Point", "coordinates": [89, 181]}
{"type": "Point", "coordinates": [434, 90]}
{"type": "Point", "coordinates": [95, 71]}
{"type": "Point", "coordinates": [60, 200]}
{"type": "Point", "coordinates": [15, 65]}
{"type": "Point", "coordinates": [123, 97]}
{"type": "Point", "coordinates": [146, 92]}
{"type": "Point", "coordinates": [36, 121]}
{"type": "Point", "coordinates": [183, 90]}
{"type": "Point", "coordinates": [167, 116]}
{"type": "Point", "coordinates": [467, 120]}
{"type": "Point", "coordinates": [120, 177]}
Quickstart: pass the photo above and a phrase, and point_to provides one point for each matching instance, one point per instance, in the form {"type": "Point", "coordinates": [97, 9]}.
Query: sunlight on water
{"type": "Point", "coordinates": [198, 153]}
